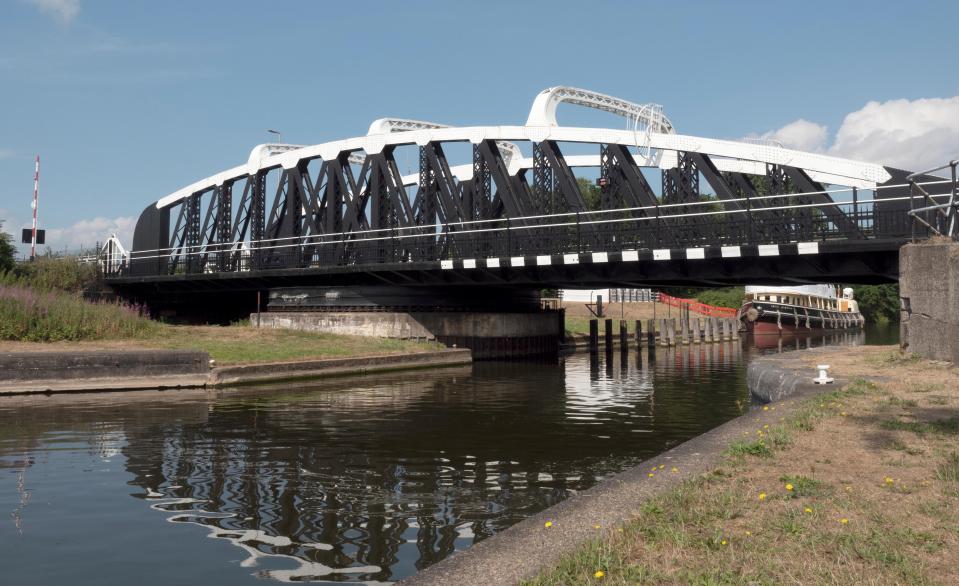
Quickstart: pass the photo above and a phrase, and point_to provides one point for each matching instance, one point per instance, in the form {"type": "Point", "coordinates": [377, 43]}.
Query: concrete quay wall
{"type": "Point", "coordinates": [929, 296]}
{"type": "Point", "coordinates": [16, 366]}
{"type": "Point", "coordinates": [488, 334]}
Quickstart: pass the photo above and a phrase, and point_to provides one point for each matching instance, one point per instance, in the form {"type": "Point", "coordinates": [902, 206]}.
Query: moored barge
{"type": "Point", "coordinates": [797, 309]}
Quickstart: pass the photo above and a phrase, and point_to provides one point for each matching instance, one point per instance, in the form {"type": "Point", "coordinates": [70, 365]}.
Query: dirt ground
{"type": "Point", "coordinates": [859, 485]}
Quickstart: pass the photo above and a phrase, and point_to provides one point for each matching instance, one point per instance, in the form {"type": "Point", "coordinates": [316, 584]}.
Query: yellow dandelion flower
{"type": "Point", "coordinates": [651, 475]}
{"type": "Point", "coordinates": [843, 413]}
{"type": "Point", "coordinates": [596, 526]}
{"type": "Point", "coordinates": [661, 466]}
{"type": "Point", "coordinates": [548, 524]}
{"type": "Point", "coordinates": [723, 542]}
{"type": "Point", "coordinates": [653, 469]}
{"type": "Point", "coordinates": [889, 480]}
{"type": "Point", "coordinates": [807, 510]}
{"type": "Point", "coordinates": [765, 408]}
{"type": "Point", "coordinates": [766, 426]}
{"type": "Point", "coordinates": [848, 489]}
{"type": "Point", "coordinates": [789, 487]}
{"type": "Point", "coordinates": [762, 496]}
{"type": "Point", "coordinates": [844, 521]}
{"type": "Point", "coordinates": [599, 574]}
{"type": "Point", "coordinates": [748, 533]}
{"type": "Point", "coordinates": [675, 469]}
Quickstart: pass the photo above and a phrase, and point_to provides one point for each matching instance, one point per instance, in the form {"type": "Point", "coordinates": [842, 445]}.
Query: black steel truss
{"type": "Point", "coordinates": [340, 213]}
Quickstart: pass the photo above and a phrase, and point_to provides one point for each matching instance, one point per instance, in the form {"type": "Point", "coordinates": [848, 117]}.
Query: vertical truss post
{"type": "Point", "coordinates": [224, 217]}
{"type": "Point", "coordinates": [681, 185]}
{"type": "Point", "coordinates": [191, 248]}
{"type": "Point", "coordinates": [257, 217]}
{"type": "Point", "coordinates": [542, 181]}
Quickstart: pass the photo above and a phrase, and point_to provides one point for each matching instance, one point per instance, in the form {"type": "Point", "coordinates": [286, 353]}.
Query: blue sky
{"type": "Point", "coordinates": [129, 100]}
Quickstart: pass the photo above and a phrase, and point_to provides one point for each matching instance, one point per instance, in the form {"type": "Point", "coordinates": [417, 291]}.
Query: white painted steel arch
{"type": "Point", "coordinates": [543, 112]}
{"type": "Point", "coordinates": [727, 155]}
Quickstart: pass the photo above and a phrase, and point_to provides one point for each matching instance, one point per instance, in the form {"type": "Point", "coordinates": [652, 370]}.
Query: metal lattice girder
{"type": "Point", "coordinates": [723, 190]}
{"type": "Point", "coordinates": [816, 194]}
{"type": "Point", "coordinates": [561, 178]}
{"type": "Point", "coordinates": [509, 197]}
{"type": "Point", "coordinates": [625, 182]}
{"type": "Point", "coordinates": [224, 224]}
{"type": "Point", "coordinates": [681, 184]}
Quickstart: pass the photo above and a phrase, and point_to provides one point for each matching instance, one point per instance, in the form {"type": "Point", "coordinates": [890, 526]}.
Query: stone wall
{"type": "Point", "coordinates": [489, 335]}
{"type": "Point", "coordinates": [929, 294]}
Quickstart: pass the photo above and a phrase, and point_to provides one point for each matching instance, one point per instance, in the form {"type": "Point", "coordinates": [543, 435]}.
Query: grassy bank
{"type": "Point", "coordinates": [36, 315]}
{"type": "Point", "coordinates": [860, 485]}
{"type": "Point", "coordinates": [27, 314]}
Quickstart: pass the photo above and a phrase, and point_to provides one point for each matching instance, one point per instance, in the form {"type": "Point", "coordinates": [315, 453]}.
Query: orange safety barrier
{"type": "Point", "coordinates": [700, 308]}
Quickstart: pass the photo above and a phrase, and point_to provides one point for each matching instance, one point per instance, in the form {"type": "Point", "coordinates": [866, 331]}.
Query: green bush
{"type": "Point", "coordinates": [726, 297]}
{"type": "Point", "coordinates": [49, 316]}
{"type": "Point", "coordinates": [49, 273]}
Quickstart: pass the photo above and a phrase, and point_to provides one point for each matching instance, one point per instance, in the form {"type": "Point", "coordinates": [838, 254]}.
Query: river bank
{"type": "Point", "coordinates": [851, 484]}
{"type": "Point", "coordinates": [205, 356]}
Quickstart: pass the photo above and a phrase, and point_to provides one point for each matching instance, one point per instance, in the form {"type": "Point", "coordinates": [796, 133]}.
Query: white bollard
{"type": "Point", "coordinates": [824, 377]}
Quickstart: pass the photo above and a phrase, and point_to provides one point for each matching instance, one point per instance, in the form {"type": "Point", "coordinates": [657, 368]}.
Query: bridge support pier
{"type": "Point", "coordinates": [499, 324]}
{"type": "Point", "coordinates": [929, 299]}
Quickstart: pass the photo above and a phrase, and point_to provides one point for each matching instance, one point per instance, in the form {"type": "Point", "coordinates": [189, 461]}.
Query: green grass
{"type": "Point", "coordinates": [742, 448]}
{"type": "Point", "coordinates": [949, 468]}
{"type": "Point", "coordinates": [28, 315]}
{"type": "Point", "coordinates": [239, 344]}
{"type": "Point", "coordinates": [804, 486]}
{"type": "Point", "coordinates": [941, 426]}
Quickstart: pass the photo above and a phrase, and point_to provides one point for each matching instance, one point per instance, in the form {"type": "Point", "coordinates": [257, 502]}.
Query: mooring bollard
{"type": "Point", "coordinates": [639, 333]}
{"type": "Point", "coordinates": [696, 338]}
{"type": "Point", "coordinates": [608, 325]}
{"type": "Point", "coordinates": [651, 333]}
{"type": "Point", "coordinates": [734, 324]}
{"type": "Point", "coordinates": [707, 331]}
{"type": "Point", "coordinates": [684, 330]}
{"type": "Point", "coordinates": [671, 331]}
{"type": "Point", "coordinates": [623, 333]}
{"type": "Point", "coordinates": [726, 333]}
{"type": "Point", "coordinates": [593, 335]}
{"type": "Point", "coordinates": [663, 339]}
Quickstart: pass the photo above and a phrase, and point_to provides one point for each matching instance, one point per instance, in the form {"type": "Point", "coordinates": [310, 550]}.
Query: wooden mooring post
{"type": "Point", "coordinates": [593, 335]}
{"type": "Point", "coordinates": [623, 335]}
{"type": "Point", "coordinates": [608, 326]}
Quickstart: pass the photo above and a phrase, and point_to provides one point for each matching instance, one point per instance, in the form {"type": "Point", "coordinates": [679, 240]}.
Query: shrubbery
{"type": "Point", "coordinates": [50, 316]}
{"type": "Point", "coordinates": [726, 297]}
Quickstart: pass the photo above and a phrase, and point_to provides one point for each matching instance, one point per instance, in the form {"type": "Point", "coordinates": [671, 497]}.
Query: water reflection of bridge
{"type": "Point", "coordinates": [402, 470]}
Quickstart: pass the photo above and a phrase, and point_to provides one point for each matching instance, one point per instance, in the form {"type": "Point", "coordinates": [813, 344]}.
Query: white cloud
{"type": "Point", "coordinates": [63, 10]}
{"type": "Point", "coordinates": [86, 233]}
{"type": "Point", "coordinates": [802, 135]}
{"type": "Point", "coordinates": [912, 135]}
{"type": "Point", "coordinates": [908, 134]}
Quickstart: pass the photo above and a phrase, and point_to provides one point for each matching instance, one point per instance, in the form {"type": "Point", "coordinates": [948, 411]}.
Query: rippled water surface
{"type": "Point", "coordinates": [363, 479]}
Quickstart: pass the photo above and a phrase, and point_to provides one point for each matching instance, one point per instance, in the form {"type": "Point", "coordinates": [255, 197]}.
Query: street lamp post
{"type": "Point", "coordinates": [279, 135]}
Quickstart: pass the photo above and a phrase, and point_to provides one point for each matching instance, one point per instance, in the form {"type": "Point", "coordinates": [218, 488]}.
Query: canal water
{"type": "Point", "coordinates": [364, 479]}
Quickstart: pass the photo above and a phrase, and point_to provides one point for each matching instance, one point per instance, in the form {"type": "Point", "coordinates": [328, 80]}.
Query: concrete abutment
{"type": "Point", "coordinates": [929, 297]}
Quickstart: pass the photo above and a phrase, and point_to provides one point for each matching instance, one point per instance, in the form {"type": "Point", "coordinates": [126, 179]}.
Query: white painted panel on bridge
{"type": "Point", "coordinates": [808, 248]}
{"type": "Point", "coordinates": [571, 259]}
{"type": "Point", "coordinates": [517, 261]}
{"type": "Point", "coordinates": [661, 254]}
{"type": "Point", "coordinates": [630, 256]}
{"type": "Point", "coordinates": [446, 264]}
{"type": "Point", "coordinates": [768, 250]}
{"type": "Point", "coordinates": [544, 259]}
{"type": "Point", "coordinates": [492, 263]}
{"type": "Point", "coordinates": [600, 257]}
{"type": "Point", "coordinates": [469, 263]}
{"type": "Point", "coordinates": [731, 252]}
{"type": "Point", "coordinates": [695, 253]}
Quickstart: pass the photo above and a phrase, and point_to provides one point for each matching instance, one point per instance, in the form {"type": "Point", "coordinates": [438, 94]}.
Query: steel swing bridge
{"type": "Point", "coordinates": [341, 213]}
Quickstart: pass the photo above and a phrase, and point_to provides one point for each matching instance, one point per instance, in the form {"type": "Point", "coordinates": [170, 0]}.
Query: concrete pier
{"type": "Point", "coordinates": [929, 299]}
{"type": "Point", "coordinates": [489, 335]}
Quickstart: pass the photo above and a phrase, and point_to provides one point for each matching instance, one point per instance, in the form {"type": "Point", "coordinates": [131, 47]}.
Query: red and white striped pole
{"type": "Point", "coordinates": [36, 204]}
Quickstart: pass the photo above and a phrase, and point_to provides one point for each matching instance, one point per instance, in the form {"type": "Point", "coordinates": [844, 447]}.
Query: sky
{"type": "Point", "coordinates": [126, 101]}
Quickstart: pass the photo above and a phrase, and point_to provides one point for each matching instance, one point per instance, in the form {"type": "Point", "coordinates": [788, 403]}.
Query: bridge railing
{"type": "Point", "coordinates": [775, 219]}
{"type": "Point", "coordinates": [927, 212]}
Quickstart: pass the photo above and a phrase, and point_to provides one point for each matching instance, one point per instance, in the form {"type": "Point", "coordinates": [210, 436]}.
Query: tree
{"type": "Point", "coordinates": [590, 193]}
{"type": "Point", "coordinates": [7, 251]}
{"type": "Point", "coordinates": [878, 303]}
